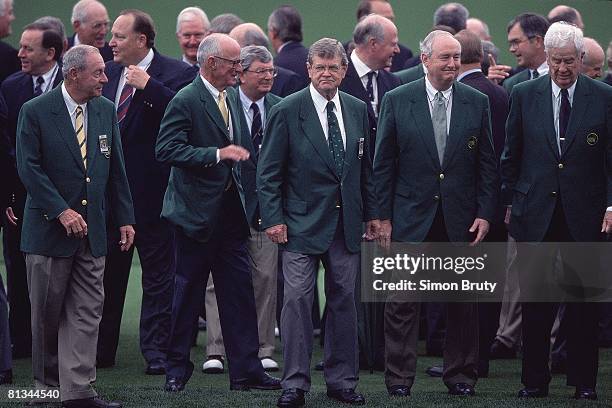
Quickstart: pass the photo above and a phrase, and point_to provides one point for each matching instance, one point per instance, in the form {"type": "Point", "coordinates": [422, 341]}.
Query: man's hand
{"type": "Point", "coordinates": [384, 234]}
{"type": "Point", "coordinates": [606, 225]}
{"type": "Point", "coordinates": [73, 223]}
{"type": "Point", "coordinates": [497, 73]}
{"type": "Point", "coordinates": [137, 77]}
{"type": "Point", "coordinates": [127, 237]}
{"type": "Point", "coordinates": [277, 233]}
{"type": "Point", "coordinates": [482, 226]}
{"type": "Point", "coordinates": [10, 216]}
{"type": "Point", "coordinates": [372, 230]}
{"type": "Point", "coordinates": [233, 152]}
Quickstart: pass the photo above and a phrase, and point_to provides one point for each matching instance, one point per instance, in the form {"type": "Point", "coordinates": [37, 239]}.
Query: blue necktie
{"type": "Point", "coordinates": [334, 138]}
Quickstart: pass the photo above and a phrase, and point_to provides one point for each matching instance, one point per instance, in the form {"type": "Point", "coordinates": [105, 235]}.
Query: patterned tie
{"type": "Point", "coordinates": [256, 130]}
{"type": "Point", "coordinates": [223, 107]}
{"type": "Point", "coordinates": [334, 138]}
{"type": "Point", "coordinates": [564, 114]}
{"type": "Point", "coordinates": [80, 134]}
{"type": "Point", "coordinates": [124, 102]}
{"type": "Point", "coordinates": [370, 87]}
{"type": "Point", "coordinates": [438, 119]}
{"type": "Point", "coordinates": [39, 83]}
{"type": "Point", "coordinates": [535, 74]}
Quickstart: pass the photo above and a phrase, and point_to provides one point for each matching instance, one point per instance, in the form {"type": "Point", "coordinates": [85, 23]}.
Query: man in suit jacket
{"type": "Point", "coordinates": [286, 81]}
{"type": "Point", "coordinates": [192, 26]}
{"type": "Point", "coordinates": [313, 177]}
{"type": "Point", "coordinates": [285, 33]}
{"type": "Point", "coordinates": [70, 161]}
{"type": "Point", "coordinates": [200, 138]}
{"type": "Point", "coordinates": [254, 102]}
{"type": "Point", "coordinates": [90, 23]}
{"type": "Point", "coordinates": [8, 54]}
{"type": "Point", "coordinates": [40, 53]}
{"type": "Point", "coordinates": [141, 83]}
{"type": "Point", "coordinates": [557, 176]}
{"type": "Point", "coordinates": [436, 181]}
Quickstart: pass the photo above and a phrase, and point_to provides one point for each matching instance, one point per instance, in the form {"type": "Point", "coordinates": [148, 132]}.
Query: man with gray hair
{"type": "Point", "coordinates": [567, 14]}
{"type": "Point", "coordinates": [192, 26]}
{"type": "Point", "coordinates": [224, 23]}
{"type": "Point", "coordinates": [55, 24]}
{"type": "Point", "coordinates": [64, 224]}
{"type": "Point", "coordinates": [454, 15]}
{"type": "Point", "coordinates": [478, 27]}
{"type": "Point", "coordinates": [593, 59]}
{"type": "Point", "coordinates": [90, 24]}
{"type": "Point", "coordinates": [200, 138]}
{"type": "Point", "coordinates": [8, 54]}
{"type": "Point", "coordinates": [556, 180]}
{"type": "Point", "coordinates": [315, 190]}
{"type": "Point", "coordinates": [435, 191]}
{"type": "Point", "coordinates": [285, 33]}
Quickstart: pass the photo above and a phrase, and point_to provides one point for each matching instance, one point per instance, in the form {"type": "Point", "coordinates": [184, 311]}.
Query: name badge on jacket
{"type": "Point", "coordinates": [104, 147]}
{"type": "Point", "coordinates": [361, 141]}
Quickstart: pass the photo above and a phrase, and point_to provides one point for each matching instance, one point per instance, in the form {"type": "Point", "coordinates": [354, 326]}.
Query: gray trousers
{"type": "Point", "coordinates": [340, 348]}
{"type": "Point", "coordinates": [67, 295]}
{"type": "Point", "coordinates": [264, 266]}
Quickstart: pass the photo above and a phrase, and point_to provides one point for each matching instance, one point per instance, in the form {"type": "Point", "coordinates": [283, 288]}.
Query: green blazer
{"type": "Point", "coordinates": [51, 169]}
{"type": "Point", "coordinates": [190, 133]}
{"type": "Point", "coordinates": [522, 76]}
{"type": "Point", "coordinates": [297, 181]}
{"type": "Point", "coordinates": [411, 74]}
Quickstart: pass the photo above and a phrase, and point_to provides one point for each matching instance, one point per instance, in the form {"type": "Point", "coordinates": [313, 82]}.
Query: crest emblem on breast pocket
{"type": "Point", "coordinates": [472, 142]}
{"type": "Point", "coordinates": [592, 139]}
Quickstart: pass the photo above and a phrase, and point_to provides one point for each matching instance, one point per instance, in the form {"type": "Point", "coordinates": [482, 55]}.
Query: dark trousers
{"type": "Point", "coordinates": [538, 318]}
{"type": "Point", "coordinates": [225, 256]}
{"type": "Point", "coordinates": [5, 337]}
{"type": "Point", "coordinates": [17, 288]}
{"type": "Point", "coordinates": [156, 250]}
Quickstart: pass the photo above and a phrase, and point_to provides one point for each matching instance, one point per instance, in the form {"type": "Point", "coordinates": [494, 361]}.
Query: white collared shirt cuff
{"type": "Point", "coordinates": [609, 208]}
{"type": "Point", "coordinates": [218, 156]}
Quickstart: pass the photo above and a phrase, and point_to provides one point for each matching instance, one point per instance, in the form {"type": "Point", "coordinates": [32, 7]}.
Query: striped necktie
{"type": "Point", "coordinates": [80, 134]}
{"type": "Point", "coordinates": [124, 102]}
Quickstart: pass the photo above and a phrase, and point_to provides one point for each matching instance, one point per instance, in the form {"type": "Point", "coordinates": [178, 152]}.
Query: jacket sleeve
{"type": "Point", "coordinates": [488, 175]}
{"type": "Point", "coordinates": [118, 187]}
{"type": "Point", "coordinates": [368, 187]}
{"type": "Point", "coordinates": [385, 158]}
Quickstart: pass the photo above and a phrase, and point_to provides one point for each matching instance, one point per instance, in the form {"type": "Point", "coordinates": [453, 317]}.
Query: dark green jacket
{"type": "Point", "coordinates": [190, 133]}
{"type": "Point", "coordinates": [297, 181]}
{"type": "Point", "coordinates": [411, 184]}
{"type": "Point", "coordinates": [51, 169]}
{"type": "Point", "coordinates": [411, 74]}
{"type": "Point", "coordinates": [522, 76]}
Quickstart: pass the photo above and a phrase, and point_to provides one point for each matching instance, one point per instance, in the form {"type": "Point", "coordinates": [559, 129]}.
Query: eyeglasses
{"type": "Point", "coordinates": [262, 72]}
{"type": "Point", "coordinates": [233, 62]}
{"type": "Point", "coordinates": [319, 69]}
{"type": "Point", "coordinates": [517, 42]}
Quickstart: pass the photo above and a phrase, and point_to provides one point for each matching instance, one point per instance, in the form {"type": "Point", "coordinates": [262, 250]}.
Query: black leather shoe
{"type": "Point", "coordinates": [291, 398]}
{"type": "Point", "coordinates": [264, 382]}
{"type": "Point", "coordinates": [174, 384]}
{"type": "Point", "coordinates": [500, 351]}
{"type": "Point", "coordinates": [347, 396]}
{"type": "Point", "coordinates": [533, 392]}
{"type": "Point", "coordinates": [587, 393]}
{"type": "Point", "coordinates": [462, 389]}
{"type": "Point", "coordinates": [94, 402]}
{"type": "Point", "coordinates": [399, 391]}
{"type": "Point", "coordinates": [320, 366]}
{"type": "Point", "coordinates": [156, 367]}
{"type": "Point", "coordinates": [6, 377]}
{"type": "Point", "coordinates": [435, 371]}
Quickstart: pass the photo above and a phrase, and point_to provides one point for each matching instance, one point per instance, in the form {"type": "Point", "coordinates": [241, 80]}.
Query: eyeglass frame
{"type": "Point", "coordinates": [262, 71]}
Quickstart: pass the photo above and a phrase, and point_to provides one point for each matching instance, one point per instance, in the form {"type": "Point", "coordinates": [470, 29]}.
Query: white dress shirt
{"type": "Point", "coordinates": [320, 104]}
{"type": "Point", "coordinates": [556, 103]}
{"type": "Point", "coordinates": [71, 105]}
{"type": "Point", "coordinates": [248, 112]}
{"type": "Point", "coordinates": [144, 65]}
{"type": "Point", "coordinates": [362, 71]}
{"type": "Point", "coordinates": [49, 78]}
{"type": "Point", "coordinates": [542, 70]}
{"type": "Point", "coordinates": [215, 94]}
{"type": "Point", "coordinates": [448, 100]}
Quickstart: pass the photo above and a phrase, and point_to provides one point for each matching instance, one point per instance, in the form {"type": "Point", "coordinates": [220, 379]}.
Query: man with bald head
{"type": "Point", "coordinates": [286, 81]}
{"type": "Point", "coordinates": [90, 23]}
{"type": "Point", "coordinates": [192, 26]}
{"type": "Point", "coordinates": [567, 14]}
{"type": "Point", "coordinates": [478, 27]}
{"type": "Point", "coordinates": [200, 138]}
{"type": "Point", "coordinates": [593, 59]}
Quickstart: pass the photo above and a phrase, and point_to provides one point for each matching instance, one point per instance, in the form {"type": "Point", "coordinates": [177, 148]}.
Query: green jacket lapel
{"type": "Point", "coordinates": [544, 95]}
{"type": "Point", "coordinates": [579, 108]}
{"type": "Point", "coordinates": [210, 106]}
{"type": "Point", "coordinates": [457, 122]}
{"type": "Point", "coordinates": [61, 118]}
{"type": "Point", "coordinates": [351, 121]}
{"type": "Point", "coordinates": [422, 118]}
{"type": "Point", "coordinates": [93, 132]}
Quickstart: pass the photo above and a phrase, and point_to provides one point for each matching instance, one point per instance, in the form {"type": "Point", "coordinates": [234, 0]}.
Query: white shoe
{"type": "Point", "coordinates": [268, 364]}
{"type": "Point", "coordinates": [213, 365]}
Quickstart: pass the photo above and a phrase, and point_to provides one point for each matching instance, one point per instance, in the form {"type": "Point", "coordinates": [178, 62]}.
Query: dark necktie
{"type": "Point", "coordinates": [39, 83]}
{"type": "Point", "coordinates": [334, 138]}
{"type": "Point", "coordinates": [124, 102]}
{"type": "Point", "coordinates": [370, 86]}
{"type": "Point", "coordinates": [564, 114]}
{"type": "Point", "coordinates": [535, 74]}
{"type": "Point", "coordinates": [256, 130]}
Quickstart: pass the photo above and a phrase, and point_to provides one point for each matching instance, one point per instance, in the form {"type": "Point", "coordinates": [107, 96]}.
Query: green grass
{"type": "Point", "coordinates": [126, 382]}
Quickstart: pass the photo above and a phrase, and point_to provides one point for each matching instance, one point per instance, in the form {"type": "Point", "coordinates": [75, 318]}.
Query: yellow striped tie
{"type": "Point", "coordinates": [80, 134]}
{"type": "Point", "coordinates": [223, 107]}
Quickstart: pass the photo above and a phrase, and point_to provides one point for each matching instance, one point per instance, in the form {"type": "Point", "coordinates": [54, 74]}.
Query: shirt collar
{"type": "Point", "coordinates": [71, 103]}
{"type": "Point", "coordinates": [431, 91]}
{"type": "Point", "coordinates": [146, 61]}
{"type": "Point", "coordinates": [556, 90]}
{"type": "Point", "coordinates": [468, 72]}
{"type": "Point", "coordinates": [76, 39]}
{"type": "Point", "coordinates": [186, 61]}
{"type": "Point", "coordinates": [543, 68]}
{"type": "Point", "coordinates": [360, 66]}
{"type": "Point", "coordinates": [283, 46]}
{"type": "Point", "coordinates": [47, 76]}
{"type": "Point", "coordinates": [214, 91]}
{"type": "Point", "coordinates": [319, 100]}
{"type": "Point", "coordinates": [246, 101]}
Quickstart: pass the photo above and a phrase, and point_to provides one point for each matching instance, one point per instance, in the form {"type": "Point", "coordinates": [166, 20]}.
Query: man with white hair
{"type": "Point", "coordinates": [8, 54]}
{"type": "Point", "coordinates": [90, 23]}
{"type": "Point", "coordinates": [192, 26]}
{"type": "Point", "coordinates": [556, 178]}
{"type": "Point", "coordinates": [593, 59]}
